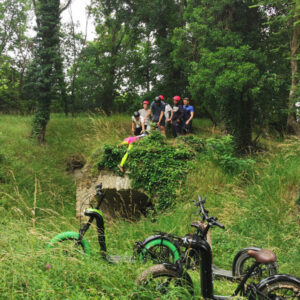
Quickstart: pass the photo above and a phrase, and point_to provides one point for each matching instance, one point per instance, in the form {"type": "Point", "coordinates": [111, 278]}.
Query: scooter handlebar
{"type": "Point", "coordinates": [211, 220]}
{"type": "Point", "coordinates": [215, 222]}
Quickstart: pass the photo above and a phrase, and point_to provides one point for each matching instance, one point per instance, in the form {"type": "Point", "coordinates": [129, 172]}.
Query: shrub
{"type": "Point", "coordinates": [222, 152]}
{"type": "Point", "coordinates": [159, 167]}
{"type": "Point", "coordinates": [154, 166]}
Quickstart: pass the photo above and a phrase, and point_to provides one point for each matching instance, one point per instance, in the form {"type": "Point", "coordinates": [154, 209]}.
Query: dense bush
{"type": "Point", "coordinates": [154, 166]}
{"type": "Point", "coordinates": [159, 167]}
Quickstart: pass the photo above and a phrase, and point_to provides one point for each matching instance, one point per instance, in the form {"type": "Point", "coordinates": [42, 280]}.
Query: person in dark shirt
{"type": "Point", "coordinates": [176, 116]}
{"type": "Point", "coordinates": [158, 113]}
{"type": "Point", "coordinates": [188, 115]}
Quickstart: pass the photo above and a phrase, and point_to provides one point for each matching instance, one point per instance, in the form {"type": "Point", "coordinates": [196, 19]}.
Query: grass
{"type": "Point", "coordinates": [37, 201]}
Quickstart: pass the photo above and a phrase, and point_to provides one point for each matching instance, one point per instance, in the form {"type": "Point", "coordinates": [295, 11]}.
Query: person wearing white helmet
{"type": "Point", "coordinates": [137, 124]}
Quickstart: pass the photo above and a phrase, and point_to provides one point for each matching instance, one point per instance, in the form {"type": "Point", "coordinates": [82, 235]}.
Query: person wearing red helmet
{"type": "Point", "coordinates": [143, 112]}
{"type": "Point", "coordinates": [176, 116]}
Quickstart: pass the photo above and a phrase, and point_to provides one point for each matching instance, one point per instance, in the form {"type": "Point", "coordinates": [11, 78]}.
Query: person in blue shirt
{"type": "Point", "coordinates": [188, 115]}
{"type": "Point", "coordinates": [158, 113]}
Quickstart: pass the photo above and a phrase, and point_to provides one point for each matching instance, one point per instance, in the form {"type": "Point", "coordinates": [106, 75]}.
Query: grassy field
{"type": "Point", "coordinates": [37, 201]}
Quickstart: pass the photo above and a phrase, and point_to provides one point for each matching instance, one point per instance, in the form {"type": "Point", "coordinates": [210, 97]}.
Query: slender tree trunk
{"type": "Point", "coordinates": [244, 134]}
{"type": "Point", "coordinates": [292, 125]}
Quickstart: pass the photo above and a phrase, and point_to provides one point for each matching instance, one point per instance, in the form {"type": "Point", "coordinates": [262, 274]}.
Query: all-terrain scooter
{"type": "Point", "coordinates": [80, 244]}
{"type": "Point", "coordinates": [171, 248]}
{"type": "Point", "coordinates": [169, 278]}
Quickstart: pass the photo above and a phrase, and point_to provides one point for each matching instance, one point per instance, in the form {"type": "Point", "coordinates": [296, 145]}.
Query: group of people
{"type": "Point", "coordinates": [161, 114]}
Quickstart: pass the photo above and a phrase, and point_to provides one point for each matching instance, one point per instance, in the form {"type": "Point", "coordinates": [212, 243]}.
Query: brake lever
{"type": "Point", "coordinates": [99, 186]}
{"type": "Point", "coordinates": [199, 200]}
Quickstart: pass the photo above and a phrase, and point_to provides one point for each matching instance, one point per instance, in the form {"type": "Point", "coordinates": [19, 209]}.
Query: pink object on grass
{"type": "Point", "coordinates": [131, 139]}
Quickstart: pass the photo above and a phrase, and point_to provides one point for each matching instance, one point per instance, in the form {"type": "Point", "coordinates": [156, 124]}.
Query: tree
{"type": "Point", "coordinates": [283, 21]}
{"type": "Point", "coordinates": [14, 43]}
{"type": "Point", "coordinates": [228, 65]}
{"type": "Point", "coordinates": [160, 18]}
{"type": "Point", "coordinates": [46, 74]}
{"type": "Point", "coordinates": [72, 45]}
{"type": "Point", "coordinates": [13, 16]}
{"type": "Point", "coordinates": [293, 126]}
{"type": "Point", "coordinates": [104, 66]}
{"type": "Point", "coordinates": [47, 57]}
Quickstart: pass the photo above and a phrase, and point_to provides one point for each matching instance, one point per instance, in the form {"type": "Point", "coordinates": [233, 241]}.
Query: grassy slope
{"type": "Point", "coordinates": [261, 211]}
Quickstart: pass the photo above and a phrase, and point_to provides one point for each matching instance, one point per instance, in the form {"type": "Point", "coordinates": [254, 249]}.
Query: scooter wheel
{"type": "Point", "coordinates": [245, 261]}
{"type": "Point", "coordinates": [159, 280]}
{"type": "Point", "coordinates": [68, 242]}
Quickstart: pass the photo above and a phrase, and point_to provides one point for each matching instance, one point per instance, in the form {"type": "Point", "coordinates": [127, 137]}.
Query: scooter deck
{"type": "Point", "coordinates": [116, 259]}
{"type": "Point", "coordinates": [221, 273]}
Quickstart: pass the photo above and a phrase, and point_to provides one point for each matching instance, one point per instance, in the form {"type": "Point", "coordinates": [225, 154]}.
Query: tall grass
{"type": "Point", "coordinates": [37, 201]}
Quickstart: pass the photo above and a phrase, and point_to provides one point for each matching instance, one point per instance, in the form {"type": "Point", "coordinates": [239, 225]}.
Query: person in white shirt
{"type": "Point", "coordinates": [143, 113]}
{"type": "Point", "coordinates": [137, 124]}
{"type": "Point", "coordinates": [168, 109]}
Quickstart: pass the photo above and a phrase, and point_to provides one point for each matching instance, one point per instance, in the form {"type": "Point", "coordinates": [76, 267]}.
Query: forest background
{"type": "Point", "coordinates": [236, 60]}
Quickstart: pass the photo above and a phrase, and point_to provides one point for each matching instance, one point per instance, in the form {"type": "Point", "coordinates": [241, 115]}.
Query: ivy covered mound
{"type": "Point", "coordinates": [159, 166]}
{"type": "Point", "coordinates": [154, 165]}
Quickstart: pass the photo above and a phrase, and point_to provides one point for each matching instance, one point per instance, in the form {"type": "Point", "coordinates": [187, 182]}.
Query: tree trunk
{"type": "Point", "coordinates": [244, 130]}
{"type": "Point", "coordinates": [292, 125]}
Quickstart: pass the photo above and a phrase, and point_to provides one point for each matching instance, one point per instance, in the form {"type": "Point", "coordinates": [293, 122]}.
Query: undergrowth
{"type": "Point", "coordinates": [37, 201]}
{"type": "Point", "coordinates": [159, 167]}
{"type": "Point", "coordinates": [154, 166]}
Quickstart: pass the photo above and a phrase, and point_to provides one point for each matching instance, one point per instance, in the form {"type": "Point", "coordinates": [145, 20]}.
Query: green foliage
{"type": "Point", "coordinates": [3, 170]}
{"type": "Point", "coordinates": [160, 168]}
{"type": "Point", "coordinates": [9, 85]}
{"type": "Point", "coordinates": [222, 152]}
{"type": "Point", "coordinates": [111, 156]}
{"type": "Point", "coordinates": [235, 70]}
{"type": "Point", "coordinates": [196, 143]}
{"type": "Point", "coordinates": [154, 166]}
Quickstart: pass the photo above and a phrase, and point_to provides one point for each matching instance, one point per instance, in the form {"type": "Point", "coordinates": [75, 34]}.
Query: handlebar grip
{"type": "Point", "coordinates": [219, 224]}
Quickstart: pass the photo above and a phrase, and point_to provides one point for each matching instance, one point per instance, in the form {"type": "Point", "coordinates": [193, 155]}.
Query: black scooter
{"type": "Point", "coordinates": [163, 278]}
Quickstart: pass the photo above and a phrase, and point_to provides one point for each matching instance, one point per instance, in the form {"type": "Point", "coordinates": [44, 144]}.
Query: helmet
{"type": "Point", "coordinates": [136, 114]}
{"type": "Point", "coordinates": [157, 99]}
{"type": "Point", "coordinates": [161, 97]}
{"type": "Point", "coordinates": [176, 98]}
{"type": "Point", "coordinates": [145, 102]}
